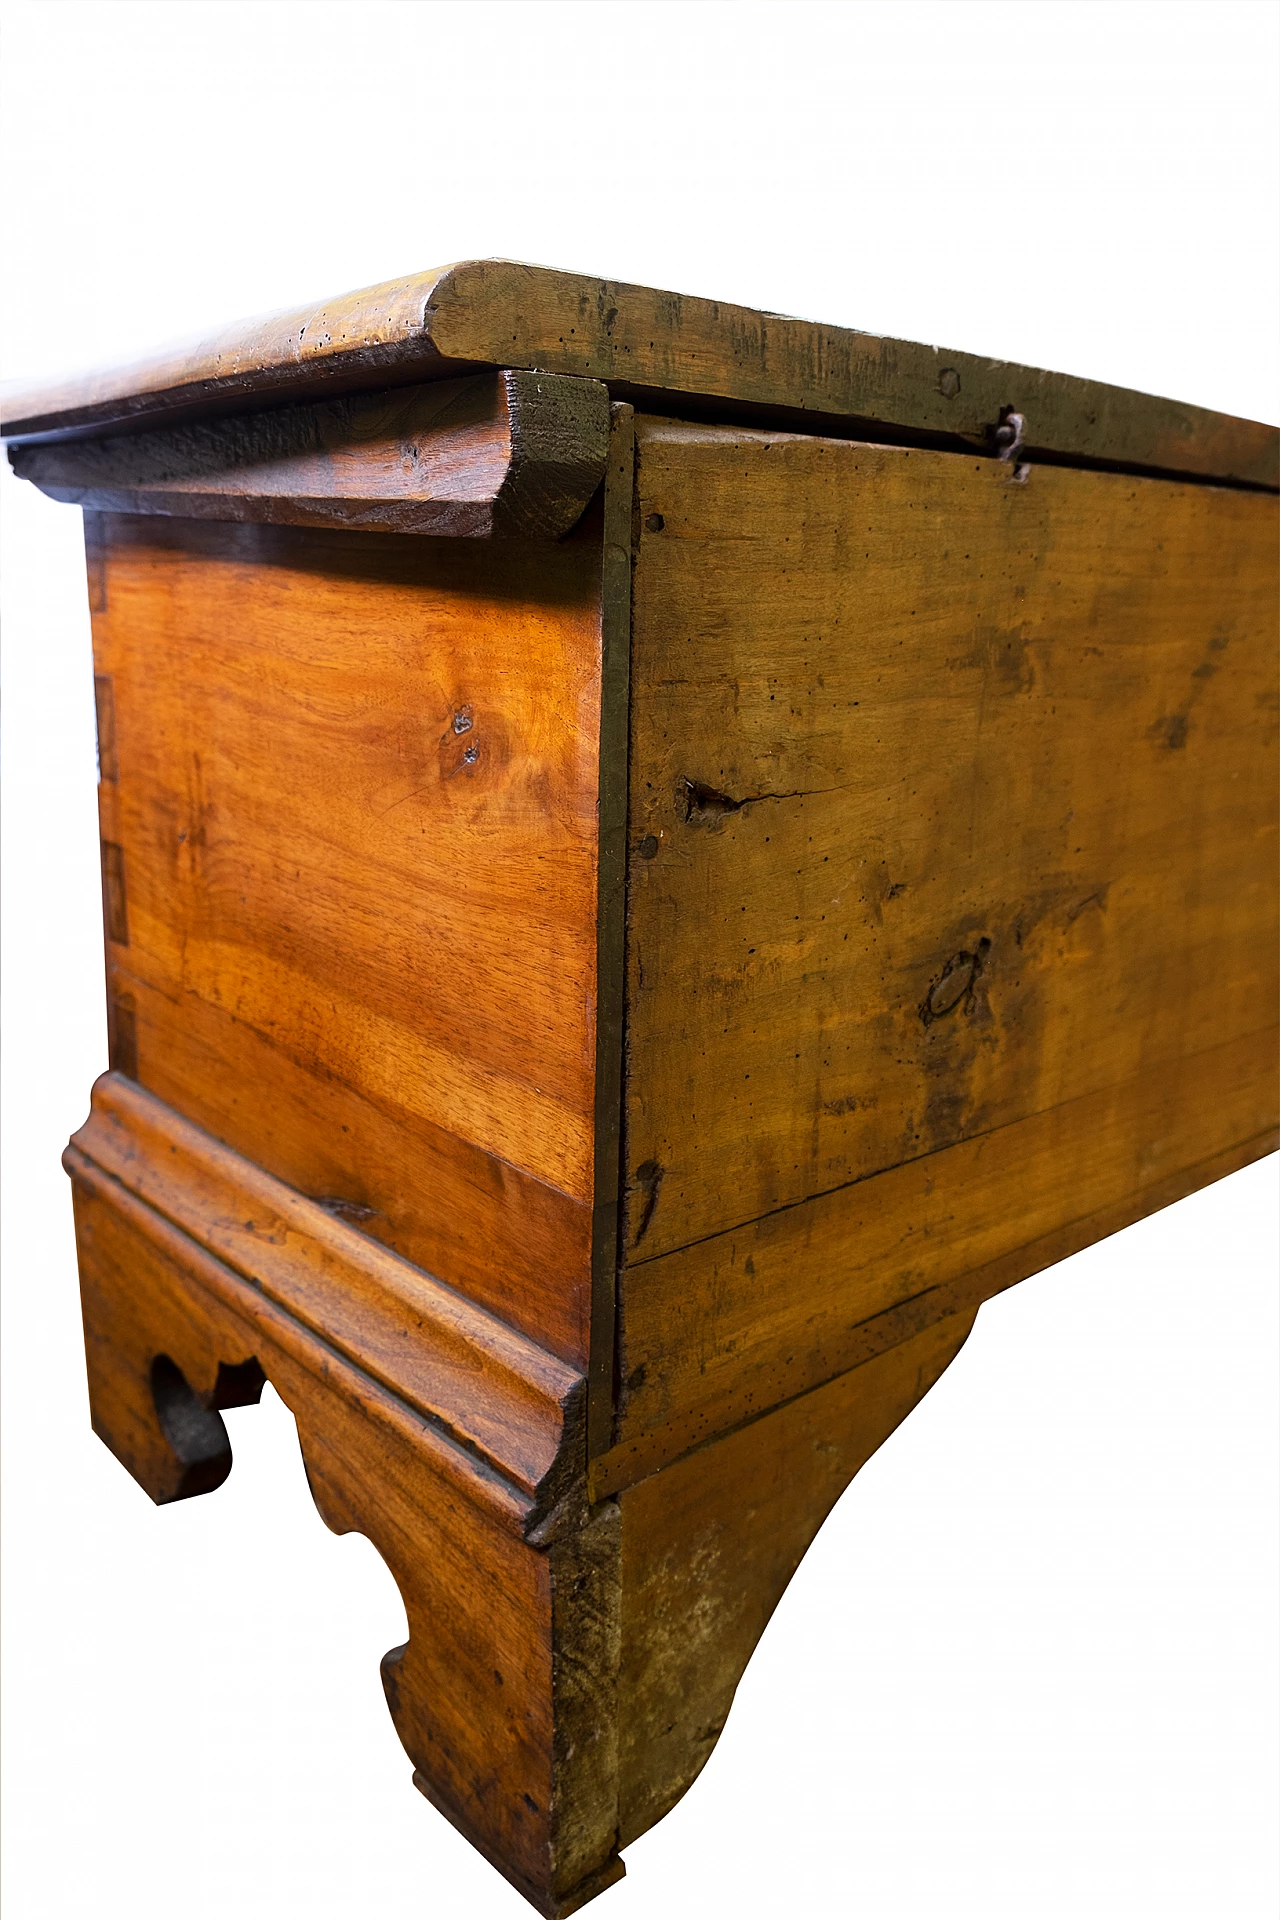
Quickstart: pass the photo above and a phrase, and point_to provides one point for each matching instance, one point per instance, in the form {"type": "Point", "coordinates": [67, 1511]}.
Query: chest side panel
{"type": "Point", "coordinates": [349, 822]}
{"type": "Point", "coordinates": [952, 815]}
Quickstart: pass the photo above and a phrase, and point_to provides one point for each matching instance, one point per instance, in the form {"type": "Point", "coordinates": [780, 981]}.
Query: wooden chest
{"type": "Point", "coordinates": [654, 856]}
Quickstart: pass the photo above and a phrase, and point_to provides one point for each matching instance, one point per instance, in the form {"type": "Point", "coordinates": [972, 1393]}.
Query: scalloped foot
{"type": "Point", "coordinates": [569, 1667]}
{"type": "Point", "coordinates": [503, 1696]}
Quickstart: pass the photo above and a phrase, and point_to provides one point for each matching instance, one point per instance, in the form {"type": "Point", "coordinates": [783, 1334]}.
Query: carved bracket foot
{"type": "Point", "coordinates": [462, 1462]}
{"type": "Point", "coordinates": [569, 1665]}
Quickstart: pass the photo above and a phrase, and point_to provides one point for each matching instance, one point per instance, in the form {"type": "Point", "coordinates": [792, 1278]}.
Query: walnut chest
{"type": "Point", "coordinates": [654, 856]}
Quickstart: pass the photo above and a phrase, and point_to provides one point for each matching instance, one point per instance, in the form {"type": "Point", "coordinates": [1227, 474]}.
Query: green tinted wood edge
{"type": "Point", "coordinates": [646, 342]}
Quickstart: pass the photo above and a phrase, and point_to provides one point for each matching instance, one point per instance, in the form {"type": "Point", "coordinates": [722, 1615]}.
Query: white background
{"type": "Point", "coordinates": [1028, 1670]}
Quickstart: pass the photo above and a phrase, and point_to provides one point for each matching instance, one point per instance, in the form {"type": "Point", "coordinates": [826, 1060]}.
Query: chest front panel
{"type": "Point", "coordinates": [349, 809]}
{"type": "Point", "coordinates": [948, 797]}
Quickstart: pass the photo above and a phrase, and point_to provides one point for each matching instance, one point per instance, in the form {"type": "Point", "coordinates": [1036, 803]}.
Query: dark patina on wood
{"type": "Point", "coordinates": [668, 352]}
{"type": "Point", "coordinates": [508, 453]}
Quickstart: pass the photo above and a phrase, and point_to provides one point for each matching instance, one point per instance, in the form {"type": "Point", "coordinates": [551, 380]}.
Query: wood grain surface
{"type": "Point", "coordinates": [504, 453]}
{"type": "Point", "coordinates": [952, 801]}
{"type": "Point", "coordinates": [651, 346]}
{"type": "Point", "coordinates": [357, 829]}
{"type": "Point", "coordinates": [952, 898]}
{"type": "Point", "coordinates": [716, 1332]}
